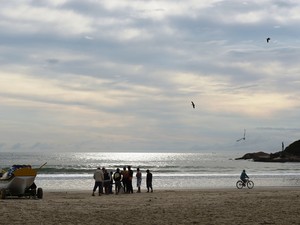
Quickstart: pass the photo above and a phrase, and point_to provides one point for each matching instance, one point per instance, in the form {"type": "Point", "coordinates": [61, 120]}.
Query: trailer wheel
{"type": "Point", "coordinates": [3, 193]}
{"type": "Point", "coordinates": [39, 193]}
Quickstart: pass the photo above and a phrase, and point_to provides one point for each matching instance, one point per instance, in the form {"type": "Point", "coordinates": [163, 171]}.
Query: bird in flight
{"type": "Point", "coordinates": [193, 104]}
{"type": "Point", "coordinates": [243, 138]}
{"type": "Point", "coordinates": [268, 40]}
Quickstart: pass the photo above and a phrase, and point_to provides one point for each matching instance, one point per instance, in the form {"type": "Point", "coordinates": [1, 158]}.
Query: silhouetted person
{"type": "Point", "coordinates": [149, 181]}
{"type": "Point", "coordinates": [244, 177]}
{"type": "Point", "coordinates": [130, 177]}
{"type": "Point", "coordinates": [106, 182]}
{"type": "Point", "coordinates": [125, 177]}
{"type": "Point", "coordinates": [99, 177]}
{"type": "Point", "coordinates": [117, 178]}
{"type": "Point", "coordinates": [138, 180]}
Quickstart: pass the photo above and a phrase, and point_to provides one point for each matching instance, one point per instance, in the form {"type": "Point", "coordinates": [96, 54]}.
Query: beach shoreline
{"type": "Point", "coordinates": [263, 205]}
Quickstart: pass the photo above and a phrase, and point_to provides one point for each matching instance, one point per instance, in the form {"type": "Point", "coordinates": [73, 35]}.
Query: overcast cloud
{"type": "Point", "coordinates": [120, 75]}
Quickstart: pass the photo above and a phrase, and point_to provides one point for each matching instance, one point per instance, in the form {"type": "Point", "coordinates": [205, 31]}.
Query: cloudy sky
{"type": "Point", "coordinates": [117, 75]}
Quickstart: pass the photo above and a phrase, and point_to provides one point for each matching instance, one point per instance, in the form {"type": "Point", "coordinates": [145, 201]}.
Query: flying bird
{"type": "Point", "coordinates": [268, 40]}
{"type": "Point", "coordinates": [243, 138]}
{"type": "Point", "coordinates": [193, 104]}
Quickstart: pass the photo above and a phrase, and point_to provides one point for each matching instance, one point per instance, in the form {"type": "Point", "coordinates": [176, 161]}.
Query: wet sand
{"type": "Point", "coordinates": [216, 206]}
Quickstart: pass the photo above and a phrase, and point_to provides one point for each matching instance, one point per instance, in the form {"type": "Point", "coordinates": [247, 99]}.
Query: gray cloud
{"type": "Point", "coordinates": [76, 70]}
{"type": "Point", "coordinates": [279, 129]}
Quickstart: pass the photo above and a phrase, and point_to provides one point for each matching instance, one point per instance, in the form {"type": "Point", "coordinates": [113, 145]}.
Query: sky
{"type": "Point", "coordinates": [114, 76]}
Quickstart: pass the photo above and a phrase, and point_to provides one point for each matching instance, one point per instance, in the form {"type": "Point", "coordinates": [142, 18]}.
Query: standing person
{"type": "Point", "coordinates": [125, 179]}
{"type": "Point", "coordinates": [149, 181]}
{"type": "Point", "coordinates": [106, 182]}
{"type": "Point", "coordinates": [117, 178]}
{"type": "Point", "coordinates": [130, 177]}
{"type": "Point", "coordinates": [138, 179]}
{"type": "Point", "coordinates": [111, 182]}
{"type": "Point", "coordinates": [98, 177]}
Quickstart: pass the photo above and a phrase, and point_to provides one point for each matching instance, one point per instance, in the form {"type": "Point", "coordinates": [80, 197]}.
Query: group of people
{"type": "Point", "coordinates": [121, 179]}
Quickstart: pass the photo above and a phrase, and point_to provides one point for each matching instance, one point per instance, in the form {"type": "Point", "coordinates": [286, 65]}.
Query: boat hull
{"type": "Point", "coordinates": [20, 180]}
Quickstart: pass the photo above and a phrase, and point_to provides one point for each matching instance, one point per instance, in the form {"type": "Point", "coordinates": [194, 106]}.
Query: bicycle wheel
{"type": "Point", "coordinates": [250, 184]}
{"type": "Point", "coordinates": [239, 184]}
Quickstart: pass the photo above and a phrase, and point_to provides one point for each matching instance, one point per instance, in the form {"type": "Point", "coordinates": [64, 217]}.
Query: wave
{"type": "Point", "coordinates": [172, 175]}
{"type": "Point", "coordinates": [167, 170]}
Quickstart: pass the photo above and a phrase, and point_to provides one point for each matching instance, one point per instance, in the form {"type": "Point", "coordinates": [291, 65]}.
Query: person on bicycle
{"type": "Point", "coordinates": [244, 177]}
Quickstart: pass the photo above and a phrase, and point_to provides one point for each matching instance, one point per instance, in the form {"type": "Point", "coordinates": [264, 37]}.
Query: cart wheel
{"type": "Point", "coordinates": [3, 193]}
{"type": "Point", "coordinates": [39, 193]}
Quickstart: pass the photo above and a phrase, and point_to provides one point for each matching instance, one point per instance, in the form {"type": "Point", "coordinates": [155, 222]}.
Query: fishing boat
{"type": "Point", "coordinates": [19, 181]}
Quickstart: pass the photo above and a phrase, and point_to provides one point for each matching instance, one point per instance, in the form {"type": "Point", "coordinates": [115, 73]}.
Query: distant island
{"type": "Point", "coordinates": [289, 154]}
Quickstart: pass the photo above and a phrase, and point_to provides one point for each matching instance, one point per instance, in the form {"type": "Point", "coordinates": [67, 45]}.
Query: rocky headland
{"type": "Point", "coordinates": [289, 154]}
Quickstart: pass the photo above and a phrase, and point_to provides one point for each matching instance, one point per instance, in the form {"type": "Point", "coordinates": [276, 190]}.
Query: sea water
{"type": "Point", "coordinates": [74, 171]}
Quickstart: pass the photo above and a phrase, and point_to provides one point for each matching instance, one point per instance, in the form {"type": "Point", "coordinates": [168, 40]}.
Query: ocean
{"type": "Point", "coordinates": [74, 171]}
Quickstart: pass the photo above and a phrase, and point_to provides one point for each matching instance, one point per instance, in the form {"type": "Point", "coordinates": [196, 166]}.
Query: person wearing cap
{"type": "Point", "coordinates": [98, 177]}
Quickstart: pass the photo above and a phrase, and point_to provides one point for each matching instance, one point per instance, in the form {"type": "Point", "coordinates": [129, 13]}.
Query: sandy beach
{"type": "Point", "coordinates": [217, 206]}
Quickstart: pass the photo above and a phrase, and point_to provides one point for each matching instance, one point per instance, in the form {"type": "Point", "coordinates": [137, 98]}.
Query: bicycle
{"type": "Point", "coordinates": [249, 183]}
